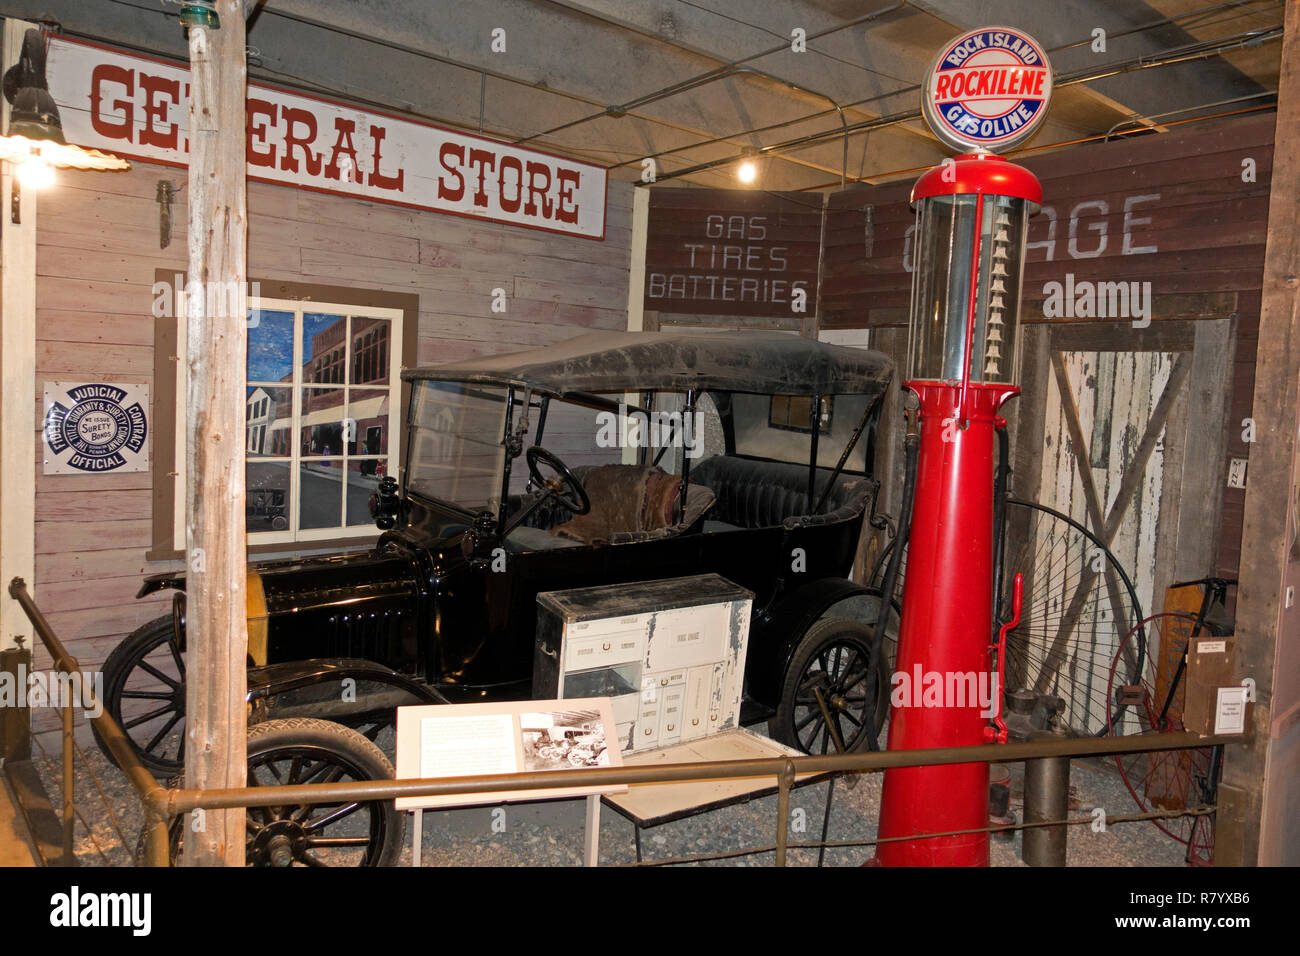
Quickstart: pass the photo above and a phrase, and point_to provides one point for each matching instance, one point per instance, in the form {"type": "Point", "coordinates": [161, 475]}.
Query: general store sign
{"type": "Point", "coordinates": [139, 107]}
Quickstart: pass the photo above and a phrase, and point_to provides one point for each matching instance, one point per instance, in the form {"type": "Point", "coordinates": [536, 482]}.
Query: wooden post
{"type": "Point", "coordinates": [1252, 825]}
{"type": "Point", "coordinates": [18, 426]}
{"type": "Point", "coordinates": [216, 616]}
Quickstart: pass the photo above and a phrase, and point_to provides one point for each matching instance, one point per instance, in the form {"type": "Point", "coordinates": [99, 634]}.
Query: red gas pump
{"type": "Point", "coordinates": [972, 216]}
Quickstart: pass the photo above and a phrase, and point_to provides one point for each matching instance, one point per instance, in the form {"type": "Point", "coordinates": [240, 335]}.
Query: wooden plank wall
{"type": "Point", "coordinates": [1202, 248]}
{"type": "Point", "coordinates": [98, 249]}
{"type": "Point", "coordinates": [1207, 225]}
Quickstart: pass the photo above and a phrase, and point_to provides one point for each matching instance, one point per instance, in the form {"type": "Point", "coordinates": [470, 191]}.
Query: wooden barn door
{"type": "Point", "coordinates": [1124, 430]}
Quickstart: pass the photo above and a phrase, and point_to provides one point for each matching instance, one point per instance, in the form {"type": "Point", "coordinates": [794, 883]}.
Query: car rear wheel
{"type": "Point", "coordinates": [833, 660]}
{"type": "Point", "coordinates": [144, 693]}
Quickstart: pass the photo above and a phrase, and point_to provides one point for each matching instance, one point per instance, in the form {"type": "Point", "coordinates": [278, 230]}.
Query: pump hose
{"type": "Point", "coordinates": [911, 446]}
{"type": "Point", "coordinates": [999, 524]}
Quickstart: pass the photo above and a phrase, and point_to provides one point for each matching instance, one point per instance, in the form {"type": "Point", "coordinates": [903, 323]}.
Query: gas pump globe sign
{"type": "Point", "coordinates": [988, 90]}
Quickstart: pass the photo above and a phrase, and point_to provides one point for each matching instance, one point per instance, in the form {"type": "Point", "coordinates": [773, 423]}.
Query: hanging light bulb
{"type": "Point", "coordinates": [35, 173]}
{"type": "Point", "coordinates": [747, 172]}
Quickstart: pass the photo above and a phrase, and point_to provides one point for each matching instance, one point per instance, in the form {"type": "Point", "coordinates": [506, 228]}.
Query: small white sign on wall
{"type": "Point", "coordinates": [95, 427]}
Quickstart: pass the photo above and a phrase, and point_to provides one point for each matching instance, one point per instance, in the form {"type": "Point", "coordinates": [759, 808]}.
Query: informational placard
{"type": "Point", "coordinates": [466, 740]}
{"type": "Point", "coordinates": [138, 107]}
{"type": "Point", "coordinates": [733, 252]}
{"type": "Point", "coordinates": [1230, 710]}
{"type": "Point", "coordinates": [95, 428]}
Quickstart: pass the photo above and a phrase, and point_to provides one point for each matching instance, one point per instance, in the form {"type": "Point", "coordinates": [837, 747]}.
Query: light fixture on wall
{"type": "Point", "coordinates": [34, 140]}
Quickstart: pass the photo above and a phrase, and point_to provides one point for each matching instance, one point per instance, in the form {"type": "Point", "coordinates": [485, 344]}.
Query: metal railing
{"type": "Point", "coordinates": [150, 792]}
{"type": "Point", "coordinates": [162, 804]}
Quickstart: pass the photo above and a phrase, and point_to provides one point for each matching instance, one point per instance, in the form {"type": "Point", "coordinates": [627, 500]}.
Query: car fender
{"type": "Point", "coordinates": [780, 628]}
{"type": "Point", "coordinates": [270, 681]}
{"type": "Point", "coordinates": [159, 582]}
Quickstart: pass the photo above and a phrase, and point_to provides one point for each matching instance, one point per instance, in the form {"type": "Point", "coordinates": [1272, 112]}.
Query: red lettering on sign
{"type": "Point", "coordinates": [534, 190]}
{"type": "Point", "coordinates": [293, 117]}
{"type": "Point", "coordinates": [377, 133]}
{"type": "Point", "coordinates": [565, 210]}
{"type": "Point", "coordinates": [343, 130]}
{"type": "Point", "coordinates": [257, 132]}
{"type": "Point", "coordinates": [941, 88]}
{"type": "Point", "coordinates": [155, 108]}
{"type": "Point", "coordinates": [509, 162]}
{"type": "Point", "coordinates": [485, 160]}
{"type": "Point", "coordinates": [106, 73]}
{"type": "Point", "coordinates": [445, 152]}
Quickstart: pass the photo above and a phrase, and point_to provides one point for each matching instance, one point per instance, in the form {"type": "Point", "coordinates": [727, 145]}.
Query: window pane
{"type": "Point", "coordinates": [457, 454]}
{"type": "Point", "coordinates": [268, 419]}
{"type": "Point", "coordinates": [363, 479]}
{"type": "Point", "coordinates": [324, 342]}
{"type": "Point", "coordinates": [370, 345]}
{"type": "Point", "coordinates": [334, 436]}
{"type": "Point", "coordinates": [798, 414]}
{"type": "Point", "coordinates": [270, 346]}
{"type": "Point", "coordinates": [366, 424]}
{"type": "Point", "coordinates": [321, 431]}
{"type": "Point", "coordinates": [267, 507]}
{"type": "Point", "coordinates": [320, 485]}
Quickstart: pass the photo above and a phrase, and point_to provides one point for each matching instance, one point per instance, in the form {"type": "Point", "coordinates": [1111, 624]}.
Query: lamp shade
{"type": "Point", "coordinates": [33, 113]}
{"type": "Point", "coordinates": [35, 129]}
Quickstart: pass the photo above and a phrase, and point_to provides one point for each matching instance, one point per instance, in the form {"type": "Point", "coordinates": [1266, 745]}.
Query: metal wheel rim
{"type": "Point", "coordinates": [844, 689]}
{"type": "Point", "coordinates": [303, 824]}
{"type": "Point", "coordinates": [1026, 650]}
{"type": "Point", "coordinates": [1197, 833]}
{"type": "Point", "coordinates": [153, 730]}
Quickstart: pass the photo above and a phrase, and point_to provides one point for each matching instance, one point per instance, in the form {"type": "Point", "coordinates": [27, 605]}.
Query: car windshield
{"type": "Point", "coordinates": [456, 455]}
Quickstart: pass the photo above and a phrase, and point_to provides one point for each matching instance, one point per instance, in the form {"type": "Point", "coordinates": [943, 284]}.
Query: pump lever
{"type": "Point", "coordinates": [998, 732]}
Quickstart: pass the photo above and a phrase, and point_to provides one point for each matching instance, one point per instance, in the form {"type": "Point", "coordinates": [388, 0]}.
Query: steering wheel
{"type": "Point", "coordinates": [576, 500]}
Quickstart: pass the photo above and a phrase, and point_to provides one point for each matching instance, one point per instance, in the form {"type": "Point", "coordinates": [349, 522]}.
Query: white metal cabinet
{"type": "Point", "coordinates": [670, 654]}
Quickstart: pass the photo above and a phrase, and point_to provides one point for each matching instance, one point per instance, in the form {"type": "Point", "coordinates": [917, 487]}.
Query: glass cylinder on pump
{"type": "Point", "coordinates": [956, 339]}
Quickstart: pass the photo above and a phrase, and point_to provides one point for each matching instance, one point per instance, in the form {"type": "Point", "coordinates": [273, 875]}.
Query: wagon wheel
{"type": "Point", "coordinates": [832, 660]}
{"type": "Point", "coordinates": [303, 750]}
{"type": "Point", "coordinates": [1169, 779]}
{"type": "Point", "coordinates": [144, 693]}
{"type": "Point", "coordinates": [1078, 606]}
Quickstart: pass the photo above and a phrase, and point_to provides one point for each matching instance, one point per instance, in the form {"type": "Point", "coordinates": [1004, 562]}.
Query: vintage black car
{"type": "Point", "coordinates": [745, 454]}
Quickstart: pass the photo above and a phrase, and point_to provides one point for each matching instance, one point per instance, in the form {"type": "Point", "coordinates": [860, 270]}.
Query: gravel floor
{"type": "Point", "coordinates": [550, 833]}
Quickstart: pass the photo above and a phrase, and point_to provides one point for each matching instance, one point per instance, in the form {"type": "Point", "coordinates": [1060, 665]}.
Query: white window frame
{"type": "Point", "coordinates": [294, 535]}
